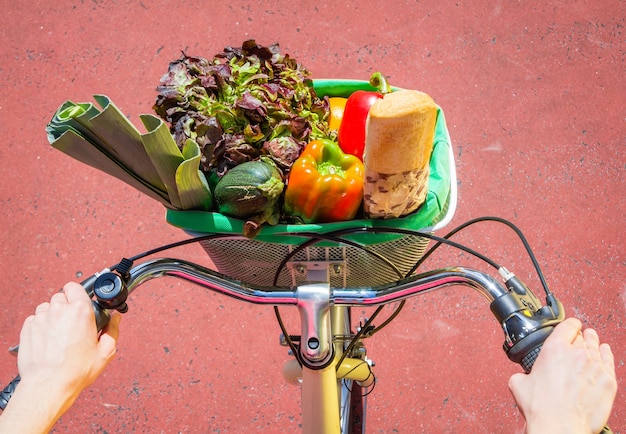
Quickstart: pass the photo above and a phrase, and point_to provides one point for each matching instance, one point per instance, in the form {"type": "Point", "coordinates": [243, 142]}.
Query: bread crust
{"type": "Point", "coordinates": [399, 143]}
{"type": "Point", "coordinates": [400, 132]}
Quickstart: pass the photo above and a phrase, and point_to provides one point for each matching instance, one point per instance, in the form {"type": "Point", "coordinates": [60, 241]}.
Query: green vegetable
{"type": "Point", "coordinates": [244, 103]}
{"type": "Point", "coordinates": [193, 188]}
{"type": "Point", "coordinates": [152, 162]}
{"type": "Point", "coordinates": [250, 191]}
{"type": "Point", "coordinates": [105, 139]}
{"type": "Point", "coordinates": [179, 170]}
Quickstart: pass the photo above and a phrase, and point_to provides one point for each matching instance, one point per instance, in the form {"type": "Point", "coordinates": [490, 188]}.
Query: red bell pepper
{"type": "Point", "coordinates": [351, 134]}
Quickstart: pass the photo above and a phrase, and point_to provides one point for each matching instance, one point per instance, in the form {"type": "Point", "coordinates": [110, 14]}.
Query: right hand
{"type": "Point", "coordinates": [572, 385]}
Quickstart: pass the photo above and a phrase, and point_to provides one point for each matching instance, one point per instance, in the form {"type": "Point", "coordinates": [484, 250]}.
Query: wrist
{"type": "Point", "coordinates": [58, 394]}
{"type": "Point", "coordinates": [560, 425]}
{"type": "Point", "coordinates": [36, 406]}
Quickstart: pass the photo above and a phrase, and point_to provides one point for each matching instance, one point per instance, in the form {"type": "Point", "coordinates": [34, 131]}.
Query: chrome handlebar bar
{"type": "Point", "coordinates": [366, 296]}
{"type": "Point", "coordinates": [525, 321]}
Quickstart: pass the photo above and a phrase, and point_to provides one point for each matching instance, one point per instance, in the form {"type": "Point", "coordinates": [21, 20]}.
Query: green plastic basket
{"type": "Point", "coordinates": [255, 261]}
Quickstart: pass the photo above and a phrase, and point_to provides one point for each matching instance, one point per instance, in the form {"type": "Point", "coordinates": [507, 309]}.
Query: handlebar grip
{"type": "Point", "coordinates": [526, 351]}
{"type": "Point", "coordinates": [101, 314]}
{"type": "Point", "coordinates": [529, 359]}
{"type": "Point", "coordinates": [6, 394]}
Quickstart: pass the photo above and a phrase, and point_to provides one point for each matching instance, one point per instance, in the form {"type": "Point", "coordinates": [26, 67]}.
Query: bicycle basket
{"type": "Point", "coordinates": [361, 258]}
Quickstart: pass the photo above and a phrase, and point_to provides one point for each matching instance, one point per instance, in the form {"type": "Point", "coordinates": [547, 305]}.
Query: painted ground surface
{"type": "Point", "coordinates": [534, 99]}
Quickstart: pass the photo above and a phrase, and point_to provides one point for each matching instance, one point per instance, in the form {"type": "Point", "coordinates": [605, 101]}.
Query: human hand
{"type": "Point", "coordinates": [572, 385]}
{"type": "Point", "coordinates": [60, 343]}
{"type": "Point", "coordinates": [61, 353]}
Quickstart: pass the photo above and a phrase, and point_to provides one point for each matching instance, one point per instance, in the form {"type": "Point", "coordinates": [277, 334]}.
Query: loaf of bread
{"type": "Point", "coordinates": [398, 145]}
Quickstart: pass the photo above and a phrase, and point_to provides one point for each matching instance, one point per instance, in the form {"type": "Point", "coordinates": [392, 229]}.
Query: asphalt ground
{"type": "Point", "coordinates": [534, 99]}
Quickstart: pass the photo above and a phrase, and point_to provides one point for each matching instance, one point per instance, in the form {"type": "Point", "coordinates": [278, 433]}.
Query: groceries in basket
{"type": "Point", "coordinates": [247, 136]}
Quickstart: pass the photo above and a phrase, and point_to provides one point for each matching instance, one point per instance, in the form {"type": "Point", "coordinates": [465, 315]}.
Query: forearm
{"type": "Point", "coordinates": [35, 408]}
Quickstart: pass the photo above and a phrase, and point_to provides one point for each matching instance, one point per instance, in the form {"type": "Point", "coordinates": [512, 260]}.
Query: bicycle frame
{"type": "Point", "coordinates": [324, 410]}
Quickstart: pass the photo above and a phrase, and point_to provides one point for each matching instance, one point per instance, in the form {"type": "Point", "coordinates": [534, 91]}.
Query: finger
{"type": "Point", "coordinates": [516, 382]}
{"type": "Point", "coordinates": [75, 293]}
{"type": "Point", "coordinates": [43, 307]}
{"type": "Point", "coordinates": [59, 297]}
{"type": "Point", "coordinates": [113, 327]}
{"type": "Point", "coordinates": [108, 339]}
{"type": "Point", "coordinates": [26, 328]}
{"type": "Point", "coordinates": [566, 331]}
{"type": "Point", "coordinates": [516, 385]}
{"type": "Point", "coordinates": [579, 341]}
{"type": "Point", "coordinates": [608, 359]}
{"type": "Point", "coordinates": [591, 338]}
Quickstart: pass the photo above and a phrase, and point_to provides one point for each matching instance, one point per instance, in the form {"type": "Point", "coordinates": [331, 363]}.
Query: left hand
{"type": "Point", "coordinates": [60, 346]}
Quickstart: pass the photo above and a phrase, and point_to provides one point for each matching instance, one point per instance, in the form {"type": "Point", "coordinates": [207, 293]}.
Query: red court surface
{"type": "Point", "coordinates": [534, 99]}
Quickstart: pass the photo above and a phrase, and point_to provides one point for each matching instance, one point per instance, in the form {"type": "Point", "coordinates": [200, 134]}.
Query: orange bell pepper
{"type": "Point", "coordinates": [337, 107]}
{"type": "Point", "coordinates": [324, 185]}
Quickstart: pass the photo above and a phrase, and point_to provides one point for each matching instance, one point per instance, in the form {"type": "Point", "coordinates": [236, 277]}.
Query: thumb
{"type": "Point", "coordinates": [517, 383]}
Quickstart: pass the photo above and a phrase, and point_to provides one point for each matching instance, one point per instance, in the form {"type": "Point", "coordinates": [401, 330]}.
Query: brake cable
{"type": "Point", "coordinates": [332, 236]}
{"type": "Point", "coordinates": [126, 263]}
{"type": "Point", "coordinates": [508, 223]}
{"type": "Point", "coordinates": [314, 240]}
{"type": "Point", "coordinates": [335, 236]}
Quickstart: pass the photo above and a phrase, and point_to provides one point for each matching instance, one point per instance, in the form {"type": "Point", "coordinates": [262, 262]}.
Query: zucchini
{"type": "Point", "coordinates": [251, 191]}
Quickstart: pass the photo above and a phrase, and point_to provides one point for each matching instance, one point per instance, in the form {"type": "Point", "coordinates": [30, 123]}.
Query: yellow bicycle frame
{"type": "Point", "coordinates": [321, 388]}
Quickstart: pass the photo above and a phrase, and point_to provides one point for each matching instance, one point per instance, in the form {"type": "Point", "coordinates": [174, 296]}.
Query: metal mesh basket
{"type": "Point", "coordinates": [350, 265]}
{"type": "Point", "coordinates": [258, 262]}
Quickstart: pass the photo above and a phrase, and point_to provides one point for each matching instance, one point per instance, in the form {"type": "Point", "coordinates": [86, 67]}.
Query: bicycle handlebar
{"type": "Point", "coordinates": [526, 324]}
